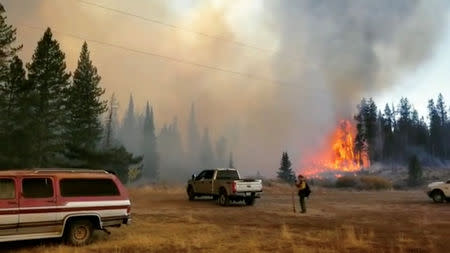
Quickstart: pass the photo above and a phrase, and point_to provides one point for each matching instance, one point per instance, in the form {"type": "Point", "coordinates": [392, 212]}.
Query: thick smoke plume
{"type": "Point", "coordinates": [348, 49]}
{"type": "Point", "coordinates": [324, 55]}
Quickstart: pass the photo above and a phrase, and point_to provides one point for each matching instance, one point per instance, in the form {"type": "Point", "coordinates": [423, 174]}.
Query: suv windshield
{"type": "Point", "coordinates": [227, 175]}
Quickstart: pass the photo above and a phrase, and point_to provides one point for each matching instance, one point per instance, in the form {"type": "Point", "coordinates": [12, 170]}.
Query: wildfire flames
{"type": "Point", "coordinates": [337, 156]}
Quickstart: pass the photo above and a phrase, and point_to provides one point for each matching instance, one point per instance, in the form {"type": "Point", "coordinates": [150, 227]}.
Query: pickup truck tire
{"type": "Point", "coordinates": [79, 232]}
{"type": "Point", "coordinates": [438, 196]}
{"type": "Point", "coordinates": [224, 200]}
{"type": "Point", "coordinates": [250, 201]}
{"type": "Point", "coordinates": [191, 193]}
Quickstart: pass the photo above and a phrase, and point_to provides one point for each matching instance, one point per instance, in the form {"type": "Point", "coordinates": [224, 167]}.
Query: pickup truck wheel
{"type": "Point", "coordinates": [438, 196]}
{"type": "Point", "coordinates": [79, 233]}
{"type": "Point", "coordinates": [223, 198]}
{"type": "Point", "coordinates": [191, 194]}
{"type": "Point", "coordinates": [250, 201]}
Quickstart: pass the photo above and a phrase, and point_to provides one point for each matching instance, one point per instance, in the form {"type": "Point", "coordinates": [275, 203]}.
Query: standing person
{"type": "Point", "coordinates": [303, 191]}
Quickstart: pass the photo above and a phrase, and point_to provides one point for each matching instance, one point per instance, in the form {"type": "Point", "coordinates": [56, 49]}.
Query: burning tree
{"type": "Point", "coordinates": [338, 155]}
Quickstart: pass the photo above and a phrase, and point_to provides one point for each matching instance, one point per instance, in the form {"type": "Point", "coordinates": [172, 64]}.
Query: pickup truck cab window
{"type": "Point", "coordinates": [7, 188]}
{"type": "Point", "coordinates": [227, 175]}
{"type": "Point", "coordinates": [37, 187]}
{"type": "Point", "coordinates": [209, 174]}
{"type": "Point", "coordinates": [200, 176]}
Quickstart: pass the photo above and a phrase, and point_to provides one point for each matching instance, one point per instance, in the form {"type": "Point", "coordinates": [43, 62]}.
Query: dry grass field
{"type": "Point", "coordinates": [337, 221]}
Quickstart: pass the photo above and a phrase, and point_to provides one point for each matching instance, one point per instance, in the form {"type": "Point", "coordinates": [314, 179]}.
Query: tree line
{"type": "Point", "coordinates": [50, 117]}
{"type": "Point", "coordinates": [396, 134]}
{"type": "Point", "coordinates": [167, 155]}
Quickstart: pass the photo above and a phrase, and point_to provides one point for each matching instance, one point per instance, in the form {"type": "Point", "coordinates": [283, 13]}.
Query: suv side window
{"type": "Point", "coordinates": [209, 174]}
{"type": "Point", "coordinates": [37, 187]}
{"type": "Point", "coordinates": [7, 188]}
{"type": "Point", "coordinates": [79, 187]}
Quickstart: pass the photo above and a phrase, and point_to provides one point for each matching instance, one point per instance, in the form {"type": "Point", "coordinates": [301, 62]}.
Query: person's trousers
{"type": "Point", "coordinates": [303, 204]}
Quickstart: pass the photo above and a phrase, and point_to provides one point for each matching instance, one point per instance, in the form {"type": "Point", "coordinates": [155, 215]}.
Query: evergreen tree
{"type": "Point", "coordinates": [171, 153]}
{"type": "Point", "coordinates": [414, 171]}
{"type": "Point", "coordinates": [16, 131]}
{"type": "Point", "coordinates": [206, 155]}
{"type": "Point", "coordinates": [444, 128]}
{"type": "Point", "coordinates": [221, 146]}
{"type": "Point", "coordinates": [129, 131]}
{"type": "Point", "coordinates": [85, 105]}
{"type": "Point", "coordinates": [285, 172]}
{"type": "Point", "coordinates": [149, 147]}
{"type": "Point", "coordinates": [231, 161]}
{"type": "Point", "coordinates": [50, 81]}
{"type": "Point", "coordinates": [9, 88]}
{"type": "Point", "coordinates": [111, 123]}
{"type": "Point", "coordinates": [404, 121]}
{"type": "Point", "coordinates": [435, 126]}
{"type": "Point", "coordinates": [360, 145]}
{"type": "Point", "coordinates": [388, 135]}
{"type": "Point", "coordinates": [7, 48]}
{"type": "Point", "coordinates": [370, 129]}
{"type": "Point", "coordinates": [193, 140]}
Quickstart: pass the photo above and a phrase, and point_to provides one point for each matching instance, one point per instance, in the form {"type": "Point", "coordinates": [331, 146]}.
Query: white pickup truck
{"type": "Point", "coordinates": [439, 191]}
{"type": "Point", "coordinates": [224, 185]}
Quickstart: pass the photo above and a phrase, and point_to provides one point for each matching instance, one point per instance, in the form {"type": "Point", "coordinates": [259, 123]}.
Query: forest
{"type": "Point", "coordinates": [397, 133]}
{"type": "Point", "coordinates": [50, 118]}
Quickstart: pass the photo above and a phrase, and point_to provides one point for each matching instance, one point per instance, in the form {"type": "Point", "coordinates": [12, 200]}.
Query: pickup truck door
{"type": "Point", "coordinates": [204, 183]}
{"type": "Point", "coordinates": [37, 204]}
{"type": "Point", "coordinates": [9, 206]}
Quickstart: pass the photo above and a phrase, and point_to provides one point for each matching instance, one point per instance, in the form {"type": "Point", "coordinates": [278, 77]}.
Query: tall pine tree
{"type": "Point", "coordinates": [149, 147]}
{"type": "Point", "coordinates": [285, 172]}
{"type": "Point", "coordinates": [49, 79]}
{"type": "Point", "coordinates": [7, 48]}
{"type": "Point", "coordinates": [85, 105]}
{"type": "Point", "coordinates": [16, 138]}
{"type": "Point", "coordinates": [129, 135]}
{"type": "Point", "coordinates": [193, 140]}
{"type": "Point", "coordinates": [9, 88]}
{"type": "Point", "coordinates": [206, 153]}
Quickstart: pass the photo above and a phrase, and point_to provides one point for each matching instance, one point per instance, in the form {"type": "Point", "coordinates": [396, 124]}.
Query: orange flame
{"type": "Point", "coordinates": [338, 155]}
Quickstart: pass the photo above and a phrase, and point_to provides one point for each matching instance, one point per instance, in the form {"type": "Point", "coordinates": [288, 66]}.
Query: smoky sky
{"type": "Point", "coordinates": [321, 58]}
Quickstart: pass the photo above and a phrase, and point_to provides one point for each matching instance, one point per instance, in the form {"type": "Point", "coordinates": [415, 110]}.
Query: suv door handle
{"type": "Point", "coordinates": [51, 201]}
{"type": "Point", "coordinates": [12, 202]}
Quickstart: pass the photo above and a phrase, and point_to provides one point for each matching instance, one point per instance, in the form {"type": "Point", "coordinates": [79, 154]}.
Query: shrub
{"type": "Point", "coordinates": [347, 182]}
{"type": "Point", "coordinates": [374, 183]}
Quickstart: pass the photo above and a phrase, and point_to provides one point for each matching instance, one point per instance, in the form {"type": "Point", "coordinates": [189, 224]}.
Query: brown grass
{"type": "Point", "coordinates": [337, 221]}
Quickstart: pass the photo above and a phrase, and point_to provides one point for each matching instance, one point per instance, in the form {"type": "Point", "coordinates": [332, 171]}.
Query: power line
{"type": "Point", "coordinates": [167, 58]}
{"type": "Point", "coordinates": [155, 21]}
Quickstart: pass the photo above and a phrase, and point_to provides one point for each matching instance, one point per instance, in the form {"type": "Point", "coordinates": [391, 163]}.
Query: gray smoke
{"type": "Point", "coordinates": [335, 52]}
{"type": "Point", "coordinates": [329, 54]}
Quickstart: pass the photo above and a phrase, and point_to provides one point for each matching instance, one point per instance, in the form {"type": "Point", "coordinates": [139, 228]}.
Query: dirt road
{"type": "Point", "coordinates": [337, 221]}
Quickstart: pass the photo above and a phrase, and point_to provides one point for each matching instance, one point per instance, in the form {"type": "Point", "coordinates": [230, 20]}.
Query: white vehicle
{"type": "Point", "coordinates": [439, 191]}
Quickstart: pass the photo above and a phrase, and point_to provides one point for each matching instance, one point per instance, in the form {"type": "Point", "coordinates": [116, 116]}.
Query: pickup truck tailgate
{"type": "Point", "coordinates": [248, 185]}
